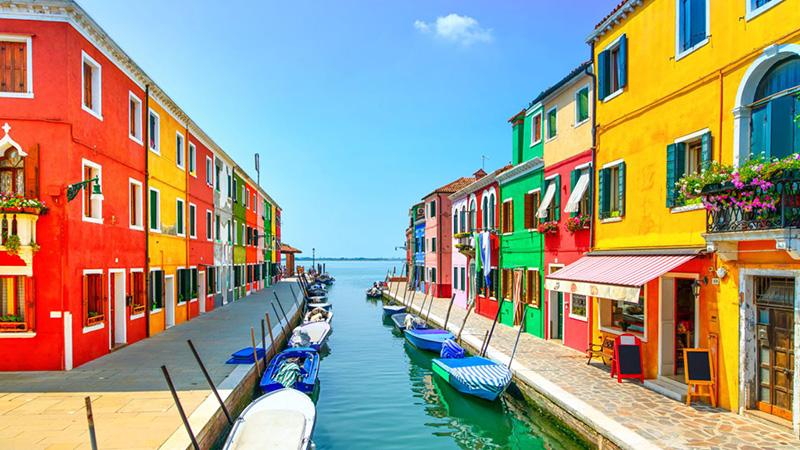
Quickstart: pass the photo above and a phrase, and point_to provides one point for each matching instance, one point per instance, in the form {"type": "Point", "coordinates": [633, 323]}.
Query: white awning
{"type": "Point", "coordinates": [548, 197]}
{"type": "Point", "coordinates": [577, 194]}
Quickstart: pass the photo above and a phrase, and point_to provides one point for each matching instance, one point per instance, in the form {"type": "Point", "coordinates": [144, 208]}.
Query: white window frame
{"type": "Point", "coordinates": [29, 69]}
{"type": "Point", "coordinates": [146, 298]}
{"type": "Point", "coordinates": [209, 225]}
{"type": "Point", "coordinates": [191, 158]}
{"type": "Point", "coordinates": [503, 206]}
{"type": "Point", "coordinates": [180, 153]}
{"type": "Point", "coordinates": [139, 206]}
{"type": "Point", "coordinates": [217, 236]}
{"type": "Point", "coordinates": [680, 54]}
{"type": "Point", "coordinates": [255, 202]}
{"type": "Point", "coordinates": [547, 137]}
{"type": "Point", "coordinates": [642, 336]}
{"type": "Point", "coordinates": [541, 127]}
{"type": "Point", "coordinates": [192, 234]}
{"type": "Point", "coordinates": [583, 318]}
{"type": "Point", "coordinates": [755, 12]}
{"type": "Point", "coordinates": [133, 136]}
{"type": "Point", "coordinates": [86, 163]}
{"type": "Point", "coordinates": [154, 133]}
{"type": "Point", "coordinates": [97, 86]}
{"type": "Point", "coordinates": [607, 165]}
{"type": "Point", "coordinates": [158, 210]}
{"type": "Point", "coordinates": [210, 171]}
{"type": "Point", "coordinates": [183, 213]}
{"type": "Point", "coordinates": [615, 43]}
{"type": "Point", "coordinates": [102, 324]}
{"type": "Point", "coordinates": [588, 88]}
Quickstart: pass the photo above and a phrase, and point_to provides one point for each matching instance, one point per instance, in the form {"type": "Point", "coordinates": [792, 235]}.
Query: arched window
{"type": "Point", "coordinates": [455, 222]}
{"type": "Point", "coordinates": [774, 132]}
{"type": "Point", "coordinates": [492, 222]}
{"type": "Point", "coordinates": [472, 215]}
{"type": "Point", "coordinates": [12, 173]}
{"type": "Point", "coordinates": [463, 219]}
{"type": "Point", "coordinates": [485, 213]}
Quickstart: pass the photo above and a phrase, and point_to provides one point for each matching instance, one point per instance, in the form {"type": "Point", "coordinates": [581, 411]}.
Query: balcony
{"type": "Point", "coordinates": [465, 244]}
{"type": "Point", "coordinates": [18, 237]}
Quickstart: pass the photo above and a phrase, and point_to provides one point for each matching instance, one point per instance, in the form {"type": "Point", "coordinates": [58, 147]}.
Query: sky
{"type": "Point", "coordinates": [357, 108]}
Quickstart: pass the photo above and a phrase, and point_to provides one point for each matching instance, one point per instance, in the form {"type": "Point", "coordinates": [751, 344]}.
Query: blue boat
{"type": "Point", "coordinates": [474, 375]}
{"type": "Point", "coordinates": [400, 321]}
{"type": "Point", "coordinates": [428, 339]}
{"type": "Point", "coordinates": [390, 310]}
{"type": "Point", "coordinates": [294, 368]}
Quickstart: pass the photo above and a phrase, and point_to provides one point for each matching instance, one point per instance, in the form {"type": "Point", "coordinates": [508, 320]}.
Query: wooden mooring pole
{"type": "Point", "coordinates": [491, 330]}
{"type": "Point", "coordinates": [271, 339]}
{"type": "Point", "coordinates": [464, 322]}
{"type": "Point", "coordinates": [255, 351]}
{"type": "Point", "coordinates": [180, 407]}
{"type": "Point", "coordinates": [447, 317]}
{"type": "Point", "coordinates": [519, 333]}
{"type": "Point", "coordinates": [210, 383]}
{"type": "Point", "coordinates": [90, 420]}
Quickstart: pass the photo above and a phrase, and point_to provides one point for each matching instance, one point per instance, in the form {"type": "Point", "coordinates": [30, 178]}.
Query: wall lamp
{"type": "Point", "coordinates": [74, 189]}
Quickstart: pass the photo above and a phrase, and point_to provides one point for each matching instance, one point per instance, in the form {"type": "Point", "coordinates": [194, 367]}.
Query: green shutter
{"type": "Point", "coordinates": [603, 198]}
{"type": "Point", "coordinates": [590, 190]}
{"type": "Point", "coordinates": [557, 198]}
{"type": "Point", "coordinates": [670, 175]}
{"type": "Point", "coordinates": [573, 179]}
{"type": "Point", "coordinates": [153, 210]}
{"type": "Point", "coordinates": [680, 167]}
{"type": "Point", "coordinates": [623, 61]}
{"type": "Point", "coordinates": [602, 75]}
{"type": "Point", "coordinates": [706, 150]}
{"type": "Point", "coordinates": [621, 174]}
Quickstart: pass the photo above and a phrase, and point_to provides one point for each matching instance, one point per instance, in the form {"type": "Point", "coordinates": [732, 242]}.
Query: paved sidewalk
{"type": "Point", "coordinates": [132, 406]}
{"type": "Point", "coordinates": [628, 414]}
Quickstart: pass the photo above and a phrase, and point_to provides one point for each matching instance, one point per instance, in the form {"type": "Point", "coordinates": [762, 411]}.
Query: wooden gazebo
{"type": "Point", "coordinates": [289, 251]}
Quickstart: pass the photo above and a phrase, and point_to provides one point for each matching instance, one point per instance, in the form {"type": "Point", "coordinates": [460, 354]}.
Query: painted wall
{"type": "Point", "coordinates": [201, 247]}
{"type": "Point", "coordinates": [458, 260]}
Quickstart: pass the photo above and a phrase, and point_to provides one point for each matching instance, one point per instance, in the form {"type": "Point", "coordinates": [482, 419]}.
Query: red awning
{"type": "Point", "coordinates": [617, 277]}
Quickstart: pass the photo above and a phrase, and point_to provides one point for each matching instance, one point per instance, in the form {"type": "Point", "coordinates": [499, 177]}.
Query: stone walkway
{"type": "Point", "coordinates": [628, 414]}
{"type": "Point", "coordinates": [131, 403]}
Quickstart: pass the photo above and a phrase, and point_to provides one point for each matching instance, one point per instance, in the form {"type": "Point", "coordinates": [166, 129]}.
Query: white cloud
{"type": "Point", "coordinates": [455, 28]}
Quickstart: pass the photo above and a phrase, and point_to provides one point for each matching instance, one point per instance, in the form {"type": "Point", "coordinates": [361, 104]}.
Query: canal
{"type": "Point", "coordinates": [377, 392]}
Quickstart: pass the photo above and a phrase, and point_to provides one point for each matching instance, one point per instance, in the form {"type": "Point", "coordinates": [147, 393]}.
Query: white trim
{"type": "Point", "coordinates": [192, 235]}
{"type": "Point", "coordinates": [575, 316]}
{"type": "Point", "coordinates": [552, 177]}
{"type": "Point", "coordinates": [547, 137]}
{"type": "Point", "coordinates": [210, 173]}
{"type": "Point", "coordinates": [183, 213]}
{"type": "Point", "coordinates": [182, 163]}
{"type": "Point", "coordinates": [642, 336]}
{"type": "Point", "coordinates": [616, 162]}
{"type": "Point", "coordinates": [680, 54]}
{"type": "Point", "coordinates": [67, 323]}
{"type": "Point", "coordinates": [191, 159]}
{"type": "Point", "coordinates": [134, 182]}
{"type": "Point", "coordinates": [22, 335]}
{"type": "Point", "coordinates": [158, 211]}
{"type": "Point", "coordinates": [611, 220]}
{"type": "Point", "coordinates": [753, 13]}
{"type": "Point", "coordinates": [612, 95]}
{"type": "Point", "coordinates": [619, 91]}
{"type": "Point", "coordinates": [29, 69]}
{"type": "Point", "coordinates": [541, 127]}
{"type": "Point", "coordinates": [139, 125]}
{"type": "Point", "coordinates": [583, 166]}
{"type": "Point", "coordinates": [589, 96]}
{"type": "Point", "coordinates": [686, 208]}
{"type": "Point", "coordinates": [155, 136]}
{"type": "Point", "coordinates": [98, 111]}
{"type": "Point", "coordinates": [692, 136]}
{"type": "Point", "coordinates": [137, 316]}
{"type": "Point", "coordinates": [86, 163]}
{"type": "Point", "coordinates": [95, 327]}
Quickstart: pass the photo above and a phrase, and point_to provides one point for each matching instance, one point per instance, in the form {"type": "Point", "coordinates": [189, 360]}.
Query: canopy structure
{"type": "Point", "coordinates": [548, 197]}
{"type": "Point", "coordinates": [617, 277]}
{"type": "Point", "coordinates": [577, 193]}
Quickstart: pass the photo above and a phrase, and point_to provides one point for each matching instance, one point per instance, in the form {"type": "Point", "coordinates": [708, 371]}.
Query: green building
{"type": "Point", "coordinates": [521, 259]}
{"type": "Point", "coordinates": [239, 227]}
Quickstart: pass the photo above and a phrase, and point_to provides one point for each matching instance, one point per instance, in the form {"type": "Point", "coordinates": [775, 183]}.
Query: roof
{"type": "Point", "coordinates": [617, 15]}
{"type": "Point", "coordinates": [520, 170]}
{"type": "Point", "coordinates": [453, 186]}
{"type": "Point", "coordinates": [480, 183]}
{"type": "Point", "coordinates": [286, 248]}
{"type": "Point", "coordinates": [572, 74]}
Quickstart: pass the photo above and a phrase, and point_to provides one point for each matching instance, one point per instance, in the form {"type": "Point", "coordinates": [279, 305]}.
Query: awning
{"type": "Point", "coordinates": [548, 197]}
{"type": "Point", "coordinates": [577, 194]}
{"type": "Point", "coordinates": [617, 277]}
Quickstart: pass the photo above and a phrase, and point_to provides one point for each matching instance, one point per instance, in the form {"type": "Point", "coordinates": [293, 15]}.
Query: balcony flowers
{"type": "Point", "coordinates": [578, 223]}
{"type": "Point", "coordinates": [18, 203]}
{"type": "Point", "coordinates": [548, 227]}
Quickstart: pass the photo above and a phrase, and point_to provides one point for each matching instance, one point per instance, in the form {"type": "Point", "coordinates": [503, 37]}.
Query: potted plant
{"type": "Point", "coordinates": [579, 222]}
{"type": "Point", "coordinates": [12, 244]}
{"type": "Point", "coordinates": [548, 227]}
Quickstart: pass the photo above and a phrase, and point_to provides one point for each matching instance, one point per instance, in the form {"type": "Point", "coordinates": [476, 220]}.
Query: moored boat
{"type": "Point", "coordinates": [295, 368]}
{"type": "Point", "coordinates": [390, 310]}
{"type": "Point", "coordinates": [318, 315]}
{"type": "Point", "coordinates": [471, 375]}
{"type": "Point", "coordinates": [427, 339]}
{"type": "Point", "coordinates": [311, 334]}
{"type": "Point", "coordinates": [405, 320]}
{"type": "Point", "coordinates": [280, 420]}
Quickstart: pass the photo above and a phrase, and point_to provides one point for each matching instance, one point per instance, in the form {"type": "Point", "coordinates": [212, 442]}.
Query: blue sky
{"type": "Point", "coordinates": [358, 108]}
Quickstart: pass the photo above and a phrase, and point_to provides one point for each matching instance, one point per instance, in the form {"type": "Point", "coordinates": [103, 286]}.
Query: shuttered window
{"type": "Point", "coordinates": [179, 217]}
{"type": "Point", "coordinates": [92, 299]}
{"type": "Point", "coordinates": [582, 105]}
{"type": "Point", "coordinates": [508, 216]}
{"type": "Point", "coordinates": [585, 202]}
{"type": "Point", "coordinates": [14, 67]}
{"type": "Point", "coordinates": [508, 283]}
{"type": "Point", "coordinates": [611, 189]}
{"type": "Point", "coordinates": [91, 86]}
{"type": "Point", "coordinates": [155, 210]}
{"type": "Point", "coordinates": [532, 200]}
{"type": "Point", "coordinates": [685, 158]}
{"type": "Point", "coordinates": [691, 23]}
{"type": "Point", "coordinates": [612, 64]}
{"type": "Point", "coordinates": [137, 293]}
{"type": "Point", "coordinates": [532, 294]}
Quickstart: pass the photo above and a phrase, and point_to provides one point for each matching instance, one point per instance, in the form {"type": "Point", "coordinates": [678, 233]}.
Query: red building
{"type": "Point", "coordinates": [200, 184]}
{"type": "Point", "coordinates": [251, 244]}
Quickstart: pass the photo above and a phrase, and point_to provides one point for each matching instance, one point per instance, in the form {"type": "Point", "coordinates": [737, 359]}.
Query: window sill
{"type": "Point", "coordinates": [611, 220]}
{"type": "Point", "coordinates": [135, 139]}
{"type": "Point", "coordinates": [618, 332]}
{"type": "Point", "coordinates": [156, 311]}
{"type": "Point", "coordinates": [581, 318]}
{"type": "Point", "coordinates": [586, 120]}
{"type": "Point", "coordinates": [752, 14]}
{"type": "Point", "coordinates": [96, 114]}
{"type": "Point", "coordinates": [92, 328]}
{"type": "Point", "coordinates": [612, 95]}
{"type": "Point", "coordinates": [21, 335]}
{"type": "Point", "coordinates": [684, 53]}
{"type": "Point", "coordinates": [685, 208]}
{"type": "Point", "coordinates": [550, 139]}
{"type": "Point", "coordinates": [137, 227]}
{"type": "Point", "coordinates": [156, 150]}
{"type": "Point", "coordinates": [137, 316]}
{"type": "Point", "coordinates": [93, 220]}
{"type": "Point", "coordinates": [533, 144]}
{"type": "Point", "coordinates": [155, 230]}
{"type": "Point", "coordinates": [194, 300]}
{"type": "Point", "coordinates": [16, 94]}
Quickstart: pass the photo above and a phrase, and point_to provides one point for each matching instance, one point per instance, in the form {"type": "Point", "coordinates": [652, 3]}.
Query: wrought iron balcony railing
{"type": "Point", "coordinates": [753, 208]}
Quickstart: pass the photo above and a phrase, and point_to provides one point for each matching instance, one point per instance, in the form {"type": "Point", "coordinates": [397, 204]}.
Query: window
{"type": "Point", "coordinates": [93, 298]}
{"type": "Point", "coordinates": [192, 159]}
{"type": "Point", "coordinates": [217, 175]}
{"type": "Point", "coordinates": [91, 82]}
{"type": "Point", "coordinates": [92, 204]}
{"type": "Point", "coordinates": [184, 285]}
{"type": "Point", "coordinates": [15, 66]}
{"type": "Point", "coordinates": [774, 129]}
{"type": "Point", "coordinates": [211, 280]}
{"type": "Point", "coordinates": [455, 222]}
{"type": "Point", "coordinates": [209, 226]}
{"type": "Point", "coordinates": [455, 277]}
{"type": "Point", "coordinates": [622, 315]}
{"type": "Point", "coordinates": [155, 210]}
{"type": "Point", "coordinates": [137, 293]}
{"type": "Point", "coordinates": [432, 208]}
{"type": "Point", "coordinates": [473, 217]}
{"type": "Point", "coordinates": [577, 307]}
{"type": "Point", "coordinates": [532, 200]}
{"type": "Point", "coordinates": [579, 202]}
{"type": "Point", "coordinates": [507, 281]}
{"type": "Point", "coordinates": [179, 150]}
{"type": "Point", "coordinates": [217, 227]}
{"type": "Point", "coordinates": [554, 207]}
{"type": "Point", "coordinates": [485, 213]}
{"type": "Point", "coordinates": [255, 202]}
{"type": "Point", "coordinates": [156, 289]}
{"type": "Point", "coordinates": [433, 274]}
{"type": "Point", "coordinates": [180, 216]}
{"type": "Point", "coordinates": [192, 220]}
{"type": "Point", "coordinates": [463, 279]}
{"type": "Point", "coordinates": [492, 212]}
{"type": "Point", "coordinates": [532, 291]}
{"type": "Point", "coordinates": [230, 232]}
{"type": "Point", "coordinates": [136, 210]}
{"type": "Point", "coordinates": [689, 155]}
{"type": "Point", "coordinates": [463, 219]}
{"type": "Point", "coordinates": [12, 173]}
{"type": "Point", "coordinates": [536, 128]}
{"type": "Point", "coordinates": [134, 118]}
{"type": "Point", "coordinates": [612, 73]}
{"type": "Point", "coordinates": [14, 310]}
{"type": "Point", "coordinates": [433, 245]}
{"type": "Point", "coordinates": [209, 173]}
{"type": "Point", "coordinates": [153, 132]}
{"type": "Point", "coordinates": [692, 25]}
{"type": "Point", "coordinates": [582, 105]}
{"type": "Point", "coordinates": [508, 216]}
{"type": "Point", "coordinates": [756, 7]}
{"type": "Point", "coordinates": [611, 188]}
{"type": "Point", "coordinates": [552, 125]}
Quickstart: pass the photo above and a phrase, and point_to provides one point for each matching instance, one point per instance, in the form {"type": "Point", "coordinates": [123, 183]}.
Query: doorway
{"type": "Point", "coordinates": [118, 310]}
{"type": "Point", "coordinates": [556, 313]}
{"type": "Point", "coordinates": [169, 300]}
{"type": "Point", "coordinates": [202, 289]}
{"type": "Point", "coordinates": [678, 330]}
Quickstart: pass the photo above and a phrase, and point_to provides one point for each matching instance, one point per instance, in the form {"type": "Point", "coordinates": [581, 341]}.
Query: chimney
{"type": "Point", "coordinates": [480, 173]}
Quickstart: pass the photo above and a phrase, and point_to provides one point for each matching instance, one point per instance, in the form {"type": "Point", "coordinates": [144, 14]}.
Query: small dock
{"type": "Point", "coordinates": [132, 406]}
{"type": "Point", "coordinates": [585, 398]}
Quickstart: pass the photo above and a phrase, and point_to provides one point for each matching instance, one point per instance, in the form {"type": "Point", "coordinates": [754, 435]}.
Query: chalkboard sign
{"type": "Point", "coordinates": [698, 365]}
{"type": "Point", "coordinates": [627, 358]}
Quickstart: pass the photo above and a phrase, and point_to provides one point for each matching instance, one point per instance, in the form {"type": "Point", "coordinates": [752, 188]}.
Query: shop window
{"type": "Point", "coordinates": [92, 299]}
{"type": "Point", "coordinates": [92, 204]}
{"type": "Point", "coordinates": [153, 132]}
{"type": "Point", "coordinates": [15, 66]}
{"type": "Point", "coordinates": [623, 316]}
{"type": "Point", "coordinates": [135, 200]}
{"type": "Point", "coordinates": [91, 92]}
{"type": "Point", "coordinates": [577, 306]}
{"type": "Point", "coordinates": [12, 173]}
{"type": "Point", "coordinates": [508, 216]}
{"type": "Point", "coordinates": [14, 309]}
{"type": "Point", "coordinates": [137, 293]}
{"type": "Point", "coordinates": [533, 295]}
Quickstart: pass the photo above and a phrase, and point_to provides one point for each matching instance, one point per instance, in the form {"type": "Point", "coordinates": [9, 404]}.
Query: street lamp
{"type": "Point", "coordinates": [74, 189]}
{"type": "Point", "coordinates": [313, 258]}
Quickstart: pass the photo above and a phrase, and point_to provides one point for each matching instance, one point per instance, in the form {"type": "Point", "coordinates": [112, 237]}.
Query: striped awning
{"type": "Point", "coordinates": [618, 277]}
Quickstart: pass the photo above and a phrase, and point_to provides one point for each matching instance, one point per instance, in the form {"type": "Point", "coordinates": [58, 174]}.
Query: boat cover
{"type": "Point", "coordinates": [451, 350]}
{"type": "Point", "coordinates": [272, 429]}
{"type": "Point", "coordinates": [478, 374]}
{"type": "Point", "coordinates": [287, 375]}
{"type": "Point", "coordinates": [245, 356]}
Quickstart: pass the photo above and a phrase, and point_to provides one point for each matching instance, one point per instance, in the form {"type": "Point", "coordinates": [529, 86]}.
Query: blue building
{"type": "Point", "coordinates": [418, 275]}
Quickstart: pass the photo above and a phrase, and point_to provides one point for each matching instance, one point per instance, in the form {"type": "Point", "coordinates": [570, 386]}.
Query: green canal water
{"type": "Point", "coordinates": [378, 392]}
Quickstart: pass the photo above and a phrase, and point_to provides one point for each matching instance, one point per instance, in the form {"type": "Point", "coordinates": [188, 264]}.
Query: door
{"type": "Point", "coordinates": [202, 290]}
{"type": "Point", "coordinates": [556, 313]}
{"type": "Point", "coordinates": [775, 335]}
{"type": "Point", "coordinates": [118, 309]}
{"type": "Point", "coordinates": [169, 300]}
{"type": "Point", "coordinates": [667, 329]}
{"type": "Point", "coordinates": [684, 329]}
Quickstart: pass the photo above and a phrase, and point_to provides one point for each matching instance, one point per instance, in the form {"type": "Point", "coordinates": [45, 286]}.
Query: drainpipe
{"type": "Point", "coordinates": [146, 206]}
{"type": "Point", "coordinates": [593, 75]}
{"type": "Point", "coordinates": [187, 233]}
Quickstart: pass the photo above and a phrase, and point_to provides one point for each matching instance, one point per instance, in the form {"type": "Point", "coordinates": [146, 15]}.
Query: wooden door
{"type": "Point", "coordinates": [775, 360]}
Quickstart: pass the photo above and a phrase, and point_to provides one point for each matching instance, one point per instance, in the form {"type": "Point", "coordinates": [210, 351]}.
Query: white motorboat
{"type": "Point", "coordinates": [280, 420]}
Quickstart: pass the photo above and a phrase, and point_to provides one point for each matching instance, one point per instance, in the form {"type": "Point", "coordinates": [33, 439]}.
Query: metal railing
{"type": "Point", "coordinates": [736, 213]}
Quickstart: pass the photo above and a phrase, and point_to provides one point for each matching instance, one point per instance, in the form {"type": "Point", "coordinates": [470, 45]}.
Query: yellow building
{"type": "Point", "coordinates": [680, 84]}
{"type": "Point", "coordinates": [167, 206]}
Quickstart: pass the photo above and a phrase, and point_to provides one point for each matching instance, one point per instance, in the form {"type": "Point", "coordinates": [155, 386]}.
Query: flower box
{"type": "Point", "coordinates": [13, 326]}
{"type": "Point", "coordinates": [94, 320]}
{"type": "Point", "coordinates": [550, 227]}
